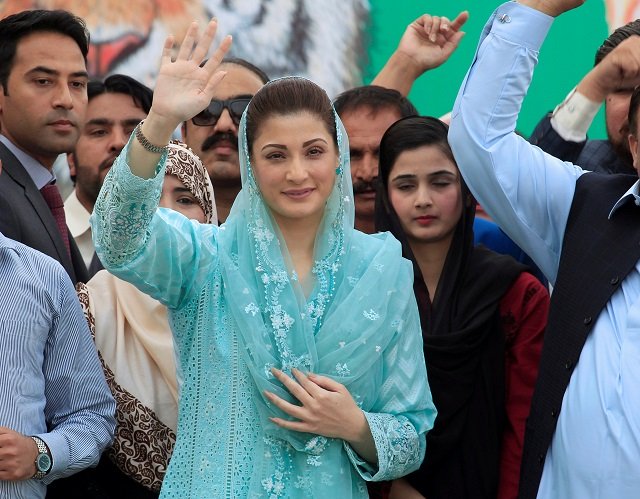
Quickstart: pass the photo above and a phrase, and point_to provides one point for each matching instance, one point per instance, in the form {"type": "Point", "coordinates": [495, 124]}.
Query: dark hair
{"type": "Point", "coordinates": [285, 96]}
{"type": "Point", "coordinates": [616, 38]}
{"type": "Point", "coordinates": [247, 65]}
{"type": "Point", "coordinates": [634, 107]}
{"type": "Point", "coordinates": [122, 84]}
{"type": "Point", "coordinates": [15, 27]}
{"type": "Point", "coordinates": [376, 98]}
{"type": "Point", "coordinates": [408, 134]}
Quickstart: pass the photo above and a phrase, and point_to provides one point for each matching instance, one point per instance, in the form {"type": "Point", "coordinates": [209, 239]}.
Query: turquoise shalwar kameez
{"type": "Point", "coordinates": [237, 309]}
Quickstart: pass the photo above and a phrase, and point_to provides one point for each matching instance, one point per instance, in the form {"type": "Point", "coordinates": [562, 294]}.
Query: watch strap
{"type": "Point", "coordinates": [42, 449]}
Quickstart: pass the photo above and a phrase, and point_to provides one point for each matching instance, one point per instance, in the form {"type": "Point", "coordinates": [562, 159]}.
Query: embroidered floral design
{"type": "Point", "coordinates": [371, 314]}
{"type": "Point", "coordinates": [316, 445]}
{"type": "Point", "coordinates": [274, 485]}
{"type": "Point", "coordinates": [342, 369]}
{"type": "Point", "coordinates": [252, 309]}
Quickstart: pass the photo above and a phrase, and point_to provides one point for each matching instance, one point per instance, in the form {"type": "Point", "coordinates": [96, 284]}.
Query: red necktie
{"type": "Point", "coordinates": [51, 195]}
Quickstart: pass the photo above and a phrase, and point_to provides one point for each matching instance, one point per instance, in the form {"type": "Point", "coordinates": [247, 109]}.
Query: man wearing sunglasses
{"type": "Point", "coordinates": [213, 134]}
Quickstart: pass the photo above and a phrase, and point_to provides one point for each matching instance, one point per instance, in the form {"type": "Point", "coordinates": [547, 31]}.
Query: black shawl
{"type": "Point", "coordinates": [464, 351]}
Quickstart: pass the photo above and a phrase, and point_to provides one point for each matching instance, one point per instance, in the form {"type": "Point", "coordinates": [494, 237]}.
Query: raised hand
{"type": "Point", "coordinates": [430, 40]}
{"type": "Point", "coordinates": [619, 70]}
{"type": "Point", "coordinates": [183, 88]}
{"type": "Point", "coordinates": [327, 409]}
{"type": "Point", "coordinates": [552, 7]}
{"type": "Point", "coordinates": [426, 44]}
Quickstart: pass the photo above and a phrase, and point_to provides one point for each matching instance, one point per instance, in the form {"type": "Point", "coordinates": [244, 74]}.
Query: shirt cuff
{"type": "Point", "coordinates": [521, 25]}
{"type": "Point", "coordinates": [59, 449]}
{"type": "Point", "coordinates": [572, 118]}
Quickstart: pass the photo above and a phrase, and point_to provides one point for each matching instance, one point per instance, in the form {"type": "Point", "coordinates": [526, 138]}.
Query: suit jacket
{"type": "Point", "coordinates": [594, 155]}
{"type": "Point", "coordinates": [26, 217]}
{"type": "Point", "coordinates": [609, 249]}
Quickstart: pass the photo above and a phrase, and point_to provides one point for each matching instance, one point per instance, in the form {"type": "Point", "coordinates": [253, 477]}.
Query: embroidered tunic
{"type": "Point", "coordinates": [359, 326]}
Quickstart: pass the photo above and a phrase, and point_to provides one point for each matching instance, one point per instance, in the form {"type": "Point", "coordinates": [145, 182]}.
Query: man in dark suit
{"type": "Point", "coordinates": [43, 100]}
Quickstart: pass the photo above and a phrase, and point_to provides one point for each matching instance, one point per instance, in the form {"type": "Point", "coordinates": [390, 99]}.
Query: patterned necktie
{"type": "Point", "coordinates": [51, 195]}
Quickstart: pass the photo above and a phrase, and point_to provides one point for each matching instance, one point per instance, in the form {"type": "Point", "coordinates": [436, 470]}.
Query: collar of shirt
{"type": "Point", "coordinates": [633, 194]}
{"type": "Point", "coordinates": [39, 173]}
{"type": "Point", "coordinates": [77, 215]}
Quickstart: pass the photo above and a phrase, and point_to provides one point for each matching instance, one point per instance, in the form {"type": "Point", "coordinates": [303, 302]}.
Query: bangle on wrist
{"type": "Point", "coordinates": [144, 142]}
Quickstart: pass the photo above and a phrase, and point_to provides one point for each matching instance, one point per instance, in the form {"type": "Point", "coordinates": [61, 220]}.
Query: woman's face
{"type": "Point", "coordinates": [425, 192]}
{"type": "Point", "coordinates": [294, 162]}
{"type": "Point", "coordinates": [176, 196]}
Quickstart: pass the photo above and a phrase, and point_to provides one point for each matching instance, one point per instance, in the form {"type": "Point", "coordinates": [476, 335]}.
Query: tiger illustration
{"type": "Point", "coordinates": [621, 12]}
{"type": "Point", "coordinates": [322, 40]}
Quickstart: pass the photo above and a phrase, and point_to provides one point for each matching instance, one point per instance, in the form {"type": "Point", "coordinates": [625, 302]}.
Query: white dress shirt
{"type": "Point", "coordinates": [78, 222]}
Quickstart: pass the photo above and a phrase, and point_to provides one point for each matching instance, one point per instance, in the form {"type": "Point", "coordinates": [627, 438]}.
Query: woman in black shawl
{"type": "Point", "coordinates": [482, 316]}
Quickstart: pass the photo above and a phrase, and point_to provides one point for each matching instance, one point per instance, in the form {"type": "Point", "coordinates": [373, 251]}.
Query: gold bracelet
{"type": "Point", "coordinates": [144, 142]}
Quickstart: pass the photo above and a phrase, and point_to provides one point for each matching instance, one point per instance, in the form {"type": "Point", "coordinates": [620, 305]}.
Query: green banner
{"type": "Point", "coordinates": [566, 55]}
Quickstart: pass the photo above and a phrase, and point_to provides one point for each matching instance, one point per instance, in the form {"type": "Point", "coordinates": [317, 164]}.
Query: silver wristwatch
{"type": "Point", "coordinates": [44, 461]}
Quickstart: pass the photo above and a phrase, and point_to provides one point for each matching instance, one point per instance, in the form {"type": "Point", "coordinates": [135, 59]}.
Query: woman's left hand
{"type": "Point", "coordinates": [327, 407]}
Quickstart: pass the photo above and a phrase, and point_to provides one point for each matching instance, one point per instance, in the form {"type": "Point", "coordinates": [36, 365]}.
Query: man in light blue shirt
{"type": "Point", "coordinates": [56, 410]}
{"type": "Point", "coordinates": [583, 433]}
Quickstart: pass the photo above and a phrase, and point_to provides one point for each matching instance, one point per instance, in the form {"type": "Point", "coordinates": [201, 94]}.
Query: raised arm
{"type": "Point", "coordinates": [159, 251]}
{"type": "Point", "coordinates": [183, 89]}
{"type": "Point", "coordinates": [564, 132]}
{"type": "Point", "coordinates": [426, 44]}
{"type": "Point", "coordinates": [526, 191]}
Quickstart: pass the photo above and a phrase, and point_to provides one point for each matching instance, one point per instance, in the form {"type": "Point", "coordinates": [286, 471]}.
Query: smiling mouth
{"type": "Point", "coordinates": [298, 194]}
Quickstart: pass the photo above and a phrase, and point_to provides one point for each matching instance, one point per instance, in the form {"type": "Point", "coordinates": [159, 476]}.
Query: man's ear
{"type": "Point", "coordinates": [71, 160]}
{"type": "Point", "coordinates": [633, 147]}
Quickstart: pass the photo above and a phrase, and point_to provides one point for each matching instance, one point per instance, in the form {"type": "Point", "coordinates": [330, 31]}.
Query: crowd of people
{"type": "Point", "coordinates": [299, 298]}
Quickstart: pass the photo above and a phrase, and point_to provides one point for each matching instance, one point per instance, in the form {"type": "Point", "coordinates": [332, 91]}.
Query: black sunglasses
{"type": "Point", "coordinates": [211, 114]}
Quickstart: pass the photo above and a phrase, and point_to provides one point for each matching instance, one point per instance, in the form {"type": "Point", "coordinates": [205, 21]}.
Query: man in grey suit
{"type": "Point", "coordinates": [43, 99]}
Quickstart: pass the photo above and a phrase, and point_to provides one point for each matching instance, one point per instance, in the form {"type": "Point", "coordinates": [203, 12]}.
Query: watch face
{"type": "Point", "coordinates": [43, 462]}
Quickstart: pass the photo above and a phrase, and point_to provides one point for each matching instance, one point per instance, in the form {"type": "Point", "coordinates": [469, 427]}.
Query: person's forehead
{"type": "Point", "coordinates": [113, 105]}
{"type": "Point", "coordinates": [368, 122]}
{"type": "Point", "coordinates": [238, 81]}
{"type": "Point", "coordinates": [49, 49]}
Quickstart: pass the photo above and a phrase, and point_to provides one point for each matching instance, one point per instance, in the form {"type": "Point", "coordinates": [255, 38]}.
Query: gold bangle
{"type": "Point", "coordinates": [144, 142]}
